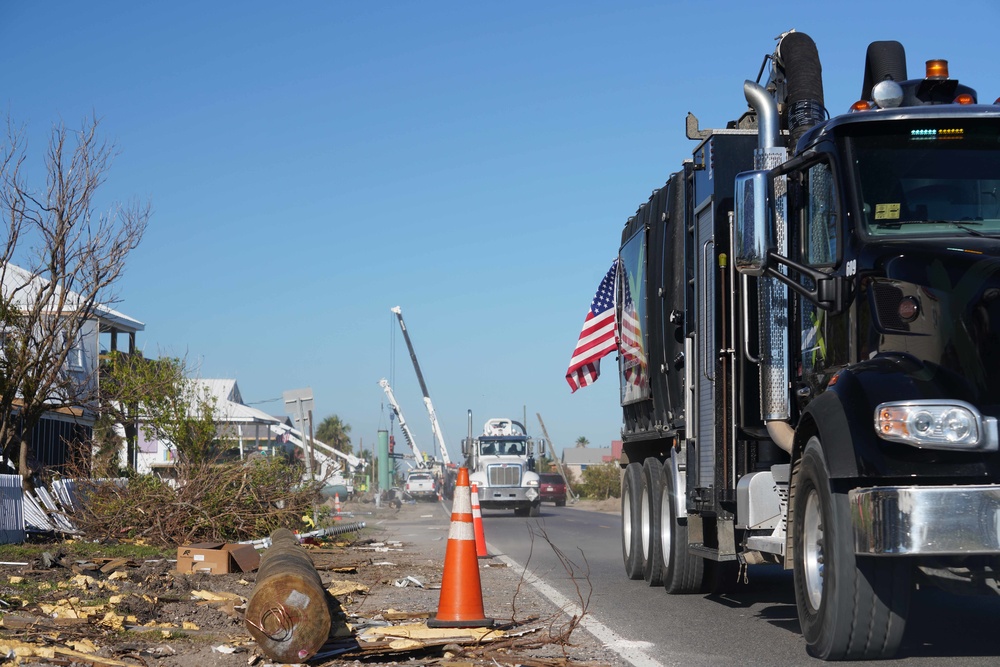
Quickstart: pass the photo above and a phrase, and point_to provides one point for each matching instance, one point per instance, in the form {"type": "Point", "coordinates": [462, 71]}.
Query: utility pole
{"type": "Point", "coordinates": [559, 466]}
{"type": "Point", "coordinates": [301, 400]}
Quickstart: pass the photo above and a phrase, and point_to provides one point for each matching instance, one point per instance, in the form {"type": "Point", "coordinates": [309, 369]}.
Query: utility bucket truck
{"type": "Point", "coordinates": [810, 355]}
{"type": "Point", "coordinates": [502, 465]}
{"type": "Point", "coordinates": [444, 467]}
{"type": "Point", "coordinates": [420, 482]}
{"type": "Point", "coordinates": [420, 460]}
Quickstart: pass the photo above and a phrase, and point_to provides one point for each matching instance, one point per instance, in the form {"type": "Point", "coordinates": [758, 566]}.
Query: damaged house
{"type": "Point", "coordinates": [51, 345]}
{"type": "Point", "coordinates": [72, 343]}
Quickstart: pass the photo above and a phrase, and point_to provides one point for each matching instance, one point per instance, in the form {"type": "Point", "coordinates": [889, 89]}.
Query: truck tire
{"type": "Point", "coordinates": [632, 520]}
{"type": "Point", "coordinates": [681, 572]}
{"type": "Point", "coordinates": [652, 492]}
{"type": "Point", "coordinates": [535, 509]}
{"type": "Point", "coordinates": [850, 607]}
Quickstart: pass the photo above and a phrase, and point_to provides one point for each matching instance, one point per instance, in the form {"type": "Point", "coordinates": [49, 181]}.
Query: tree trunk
{"type": "Point", "coordinates": [22, 461]}
{"type": "Point", "coordinates": [131, 445]}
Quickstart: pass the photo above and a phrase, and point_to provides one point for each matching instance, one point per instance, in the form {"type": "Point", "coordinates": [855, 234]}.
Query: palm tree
{"type": "Point", "coordinates": [582, 441]}
{"type": "Point", "coordinates": [334, 432]}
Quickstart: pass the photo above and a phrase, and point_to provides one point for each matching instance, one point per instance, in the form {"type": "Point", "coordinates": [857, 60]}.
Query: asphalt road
{"type": "Point", "coordinates": [576, 555]}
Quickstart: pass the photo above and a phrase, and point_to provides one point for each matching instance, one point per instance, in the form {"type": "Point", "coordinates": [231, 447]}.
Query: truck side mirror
{"type": "Point", "coordinates": [752, 227]}
{"type": "Point", "coordinates": [465, 446]}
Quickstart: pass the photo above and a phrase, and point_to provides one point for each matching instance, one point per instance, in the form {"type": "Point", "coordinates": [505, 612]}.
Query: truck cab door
{"type": "Point", "coordinates": [822, 339]}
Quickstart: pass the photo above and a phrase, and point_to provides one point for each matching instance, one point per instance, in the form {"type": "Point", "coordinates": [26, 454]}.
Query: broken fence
{"type": "Point", "coordinates": [40, 511]}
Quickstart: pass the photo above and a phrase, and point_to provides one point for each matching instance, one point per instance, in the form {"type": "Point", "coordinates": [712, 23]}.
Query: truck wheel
{"type": "Point", "coordinates": [652, 490]}
{"type": "Point", "coordinates": [681, 572]}
{"type": "Point", "coordinates": [535, 509]}
{"type": "Point", "coordinates": [850, 607]}
{"type": "Point", "coordinates": [520, 511]}
{"type": "Point", "coordinates": [632, 520]}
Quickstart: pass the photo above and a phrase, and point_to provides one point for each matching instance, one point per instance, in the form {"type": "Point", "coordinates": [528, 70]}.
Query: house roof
{"type": "Point", "coordinates": [120, 321]}
{"type": "Point", "coordinates": [21, 285]}
{"type": "Point", "coordinates": [230, 411]}
{"type": "Point", "coordinates": [229, 405]}
{"type": "Point", "coordinates": [586, 455]}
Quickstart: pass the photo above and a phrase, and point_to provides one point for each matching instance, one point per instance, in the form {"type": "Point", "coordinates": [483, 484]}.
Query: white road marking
{"type": "Point", "coordinates": [632, 652]}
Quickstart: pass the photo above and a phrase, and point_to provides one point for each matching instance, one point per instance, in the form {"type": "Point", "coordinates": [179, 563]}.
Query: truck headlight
{"type": "Point", "coordinates": [935, 424]}
{"type": "Point", "coordinates": [531, 482]}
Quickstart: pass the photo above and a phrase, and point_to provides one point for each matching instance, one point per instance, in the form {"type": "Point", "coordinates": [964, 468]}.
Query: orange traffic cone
{"type": "Point", "coordinates": [336, 503]}
{"type": "Point", "coordinates": [477, 524]}
{"type": "Point", "coordinates": [461, 603]}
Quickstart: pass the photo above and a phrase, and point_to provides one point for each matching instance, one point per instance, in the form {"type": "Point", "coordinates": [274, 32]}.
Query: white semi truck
{"type": "Point", "coordinates": [502, 465]}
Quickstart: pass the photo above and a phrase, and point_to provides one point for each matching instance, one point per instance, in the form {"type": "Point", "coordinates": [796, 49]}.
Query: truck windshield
{"type": "Point", "coordinates": [503, 448]}
{"type": "Point", "coordinates": [931, 178]}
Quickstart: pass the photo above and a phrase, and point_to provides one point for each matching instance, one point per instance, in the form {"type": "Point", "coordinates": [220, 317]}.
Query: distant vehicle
{"type": "Point", "coordinates": [420, 484]}
{"type": "Point", "coordinates": [502, 465]}
{"type": "Point", "coordinates": [552, 488]}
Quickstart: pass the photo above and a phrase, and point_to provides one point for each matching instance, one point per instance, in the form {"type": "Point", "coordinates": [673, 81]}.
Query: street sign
{"type": "Point", "coordinates": [397, 456]}
{"type": "Point", "coordinates": [298, 401]}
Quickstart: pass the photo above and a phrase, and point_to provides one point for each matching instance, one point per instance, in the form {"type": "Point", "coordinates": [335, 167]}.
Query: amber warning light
{"type": "Point", "coordinates": [937, 69]}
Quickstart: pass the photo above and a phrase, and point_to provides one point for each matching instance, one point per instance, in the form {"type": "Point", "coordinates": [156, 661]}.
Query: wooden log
{"type": "Point", "coordinates": [288, 612]}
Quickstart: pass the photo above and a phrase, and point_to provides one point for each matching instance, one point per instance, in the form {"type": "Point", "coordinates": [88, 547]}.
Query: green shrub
{"type": "Point", "coordinates": [600, 482]}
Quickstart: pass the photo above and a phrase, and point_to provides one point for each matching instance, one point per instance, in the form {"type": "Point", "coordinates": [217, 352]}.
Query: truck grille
{"type": "Point", "coordinates": [504, 475]}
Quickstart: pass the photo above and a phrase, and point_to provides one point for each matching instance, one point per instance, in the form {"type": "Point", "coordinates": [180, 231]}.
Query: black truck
{"type": "Point", "coordinates": [809, 355]}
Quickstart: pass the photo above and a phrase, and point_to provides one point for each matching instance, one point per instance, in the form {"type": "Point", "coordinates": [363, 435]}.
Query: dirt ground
{"type": "Point", "coordinates": [145, 613]}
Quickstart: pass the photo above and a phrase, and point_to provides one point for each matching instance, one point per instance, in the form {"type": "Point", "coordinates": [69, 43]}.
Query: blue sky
{"type": "Point", "coordinates": [312, 164]}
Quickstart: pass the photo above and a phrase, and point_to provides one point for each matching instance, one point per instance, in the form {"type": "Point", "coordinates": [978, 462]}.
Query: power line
{"type": "Point", "coordinates": [266, 400]}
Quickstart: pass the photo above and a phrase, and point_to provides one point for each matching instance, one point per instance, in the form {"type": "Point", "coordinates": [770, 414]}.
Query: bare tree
{"type": "Point", "coordinates": [61, 260]}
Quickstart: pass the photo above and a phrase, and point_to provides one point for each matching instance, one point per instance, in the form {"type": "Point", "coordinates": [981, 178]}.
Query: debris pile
{"type": "Point", "coordinates": [118, 610]}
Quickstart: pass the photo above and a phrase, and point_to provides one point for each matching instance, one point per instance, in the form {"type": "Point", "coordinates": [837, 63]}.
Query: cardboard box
{"type": "Point", "coordinates": [217, 558]}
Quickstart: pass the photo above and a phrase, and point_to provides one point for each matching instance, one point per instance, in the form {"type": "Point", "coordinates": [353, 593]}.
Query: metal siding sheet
{"type": "Point", "coordinates": [11, 512]}
{"type": "Point", "coordinates": [65, 492]}
{"type": "Point", "coordinates": [36, 519]}
{"type": "Point", "coordinates": [54, 511]}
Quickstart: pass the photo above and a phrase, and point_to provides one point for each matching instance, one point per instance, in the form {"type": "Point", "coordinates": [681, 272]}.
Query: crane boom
{"type": "Point", "coordinates": [435, 426]}
{"type": "Point", "coordinates": [402, 422]}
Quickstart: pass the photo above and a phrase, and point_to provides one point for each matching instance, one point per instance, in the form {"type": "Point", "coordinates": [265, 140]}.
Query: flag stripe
{"type": "Point", "coordinates": [600, 343]}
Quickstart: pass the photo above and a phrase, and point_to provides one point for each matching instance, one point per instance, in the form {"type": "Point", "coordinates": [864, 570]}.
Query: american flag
{"type": "Point", "coordinates": [599, 335]}
{"type": "Point", "coordinates": [633, 354]}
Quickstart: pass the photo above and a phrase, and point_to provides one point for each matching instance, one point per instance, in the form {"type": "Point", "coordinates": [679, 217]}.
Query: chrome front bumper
{"type": "Point", "coordinates": [507, 497]}
{"type": "Point", "coordinates": [926, 520]}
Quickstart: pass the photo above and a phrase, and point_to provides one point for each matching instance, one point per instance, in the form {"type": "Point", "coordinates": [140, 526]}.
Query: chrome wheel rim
{"type": "Point", "coordinates": [627, 520]}
{"type": "Point", "coordinates": [666, 528]}
{"type": "Point", "coordinates": [812, 544]}
{"type": "Point", "coordinates": [646, 528]}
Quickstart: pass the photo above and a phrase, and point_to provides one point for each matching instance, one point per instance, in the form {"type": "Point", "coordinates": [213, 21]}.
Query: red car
{"type": "Point", "coordinates": [552, 488]}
